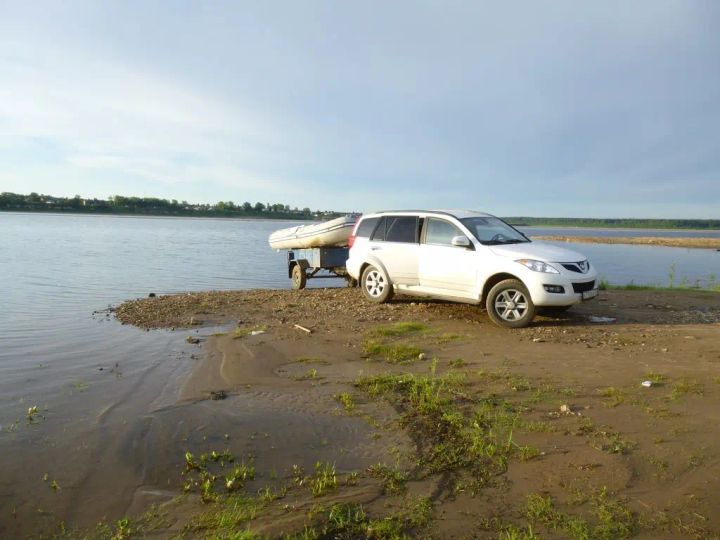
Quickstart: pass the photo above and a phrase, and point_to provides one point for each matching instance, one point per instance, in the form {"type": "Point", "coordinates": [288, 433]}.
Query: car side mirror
{"type": "Point", "coordinates": [460, 241]}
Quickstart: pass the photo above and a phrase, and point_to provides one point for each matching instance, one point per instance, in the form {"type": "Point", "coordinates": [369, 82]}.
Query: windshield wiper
{"type": "Point", "coordinates": [503, 242]}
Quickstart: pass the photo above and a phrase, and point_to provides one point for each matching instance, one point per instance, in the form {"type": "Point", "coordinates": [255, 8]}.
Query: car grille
{"type": "Point", "coordinates": [577, 267]}
{"type": "Point", "coordinates": [584, 287]}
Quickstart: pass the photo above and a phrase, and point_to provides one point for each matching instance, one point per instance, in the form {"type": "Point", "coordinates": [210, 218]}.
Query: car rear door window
{"type": "Point", "coordinates": [397, 229]}
{"type": "Point", "coordinates": [379, 233]}
{"type": "Point", "coordinates": [401, 229]}
{"type": "Point", "coordinates": [366, 227]}
{"type": "Point", "coordinates": [440, 232]}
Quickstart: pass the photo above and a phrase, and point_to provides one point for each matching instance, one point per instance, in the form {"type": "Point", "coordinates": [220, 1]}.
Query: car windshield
{"type": "Point", "coordinates": [493, 231]}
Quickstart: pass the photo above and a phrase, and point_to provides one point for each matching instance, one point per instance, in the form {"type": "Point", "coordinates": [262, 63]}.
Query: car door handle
{"type": "Point", "coordinates": [375, 248]}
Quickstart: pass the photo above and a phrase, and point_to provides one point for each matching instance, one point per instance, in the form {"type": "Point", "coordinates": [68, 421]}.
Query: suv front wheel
{"type": "Point", "coordinates": [375, 285]}
{"type": "Point", "coordinates": [509, 304]}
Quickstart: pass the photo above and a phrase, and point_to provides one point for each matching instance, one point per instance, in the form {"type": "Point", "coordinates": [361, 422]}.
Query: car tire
{"type": "Point", "coordinates": [375, 285]}
{"type": "Point", "coordinates": [509, 304]}
{"type": "Point", "coordinates": [299, 278]}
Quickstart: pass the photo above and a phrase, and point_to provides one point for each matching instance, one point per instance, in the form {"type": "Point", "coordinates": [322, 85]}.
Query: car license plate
{"type": "Point", "coordinates": [587, 295]}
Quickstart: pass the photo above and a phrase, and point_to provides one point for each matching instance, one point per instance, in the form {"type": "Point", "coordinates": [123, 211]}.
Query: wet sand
{"type": "Point", "coordinates": [584, 432]}
{"type": "Point", "coordinates": [692, 242]}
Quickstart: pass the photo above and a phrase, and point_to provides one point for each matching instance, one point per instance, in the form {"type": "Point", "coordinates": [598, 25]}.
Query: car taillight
{"type": "Point", "coordinates": [351, 238]}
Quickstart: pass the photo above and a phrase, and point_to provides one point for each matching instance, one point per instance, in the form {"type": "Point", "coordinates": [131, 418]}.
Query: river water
{"type": "Point", "coordinates": [92, 378]}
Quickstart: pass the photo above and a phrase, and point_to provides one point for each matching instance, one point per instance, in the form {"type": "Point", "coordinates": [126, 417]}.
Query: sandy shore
{"type": "Point", "coordinates": [696, 243]}
{"type": "Point", "coordinates": [425, 419]}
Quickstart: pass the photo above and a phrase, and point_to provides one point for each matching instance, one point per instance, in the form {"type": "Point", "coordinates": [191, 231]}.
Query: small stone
{"type": "Point", "coordinates": [565, 409]}
{"type": "Point", "coordinates": [421, 356]}
{"type": "Point", "coordinates": [538, 340]}
{"type": "Point", "coordinates": [151, 295]}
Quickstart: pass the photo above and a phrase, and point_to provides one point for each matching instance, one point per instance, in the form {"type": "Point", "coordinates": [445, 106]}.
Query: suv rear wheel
{"type": "Point", "coordinates": [375, 285]}
{"type": "Point", "coordinates": [509, 304]}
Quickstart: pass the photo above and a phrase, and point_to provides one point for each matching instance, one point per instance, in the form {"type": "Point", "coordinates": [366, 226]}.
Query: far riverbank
{"type": "Point", "coordinates": [694, 243]}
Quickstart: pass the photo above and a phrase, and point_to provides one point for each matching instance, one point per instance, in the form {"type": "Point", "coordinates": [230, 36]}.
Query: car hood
{"type": "Point", "coordinates": [539, 251]}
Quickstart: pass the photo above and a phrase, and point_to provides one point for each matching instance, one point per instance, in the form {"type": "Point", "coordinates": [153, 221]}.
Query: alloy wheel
{"type": "Point", "coordinates": [511, 305]}
{"type": "Point", "coordinates": [375, 283]}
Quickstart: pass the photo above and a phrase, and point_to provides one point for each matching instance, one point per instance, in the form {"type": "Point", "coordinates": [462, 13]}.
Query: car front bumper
{"type": "Point", "coordinates": [576, 288]}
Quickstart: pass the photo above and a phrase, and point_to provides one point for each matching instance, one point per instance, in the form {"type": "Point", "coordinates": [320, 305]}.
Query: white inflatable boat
{"type": "Point", "coordinates": [333, 233]}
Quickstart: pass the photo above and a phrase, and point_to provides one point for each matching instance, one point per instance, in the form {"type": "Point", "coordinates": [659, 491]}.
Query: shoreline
{"type": "Point", "coordinates": [686, 242]}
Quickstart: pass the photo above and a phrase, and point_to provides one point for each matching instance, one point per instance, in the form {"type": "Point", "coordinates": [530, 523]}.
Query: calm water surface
{"type": "Point", "coordinates": [89, 375]}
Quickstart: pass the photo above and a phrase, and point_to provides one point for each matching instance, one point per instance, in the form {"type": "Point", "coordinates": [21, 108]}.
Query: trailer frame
{"type": "Point", "coordinates": [307, 263]}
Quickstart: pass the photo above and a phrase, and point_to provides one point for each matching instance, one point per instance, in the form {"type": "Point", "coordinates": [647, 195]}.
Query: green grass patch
{"type": "Point", "coordinates": [683, 387]}
{"type": "Point", "coordinates": [351, 521]}
{"type": "Point", "coordinates": [229, 516]}
{"type": "Point", "coordinates": [396, 353]}
{"type": "Point", "coordinates": [394, 480]}
{"type": "Point", "coordinates": [658, 379]}
{"type": "Point", "coordinates": [346, 400]}
{"type": "Point", "coordinates": [455, 435]}
{"type": "Point", "coordinates": [613, 396]}
{"type": "Point", "coordinates": [609, 520]}
{"type": "Point", "coordinates": [309, 375]}
{"type": "Point", "coordinates": [324, 480]}
{"type": "Point", "coordinates": [447, 337]}
{"type": "Point", "coordinates": [400, 329]}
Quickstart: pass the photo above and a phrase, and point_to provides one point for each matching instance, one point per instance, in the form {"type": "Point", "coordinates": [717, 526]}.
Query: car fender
{"type": "Point", "coordinates": [506, 266]}
{"type": "Point", "coordinates": [374, 261]}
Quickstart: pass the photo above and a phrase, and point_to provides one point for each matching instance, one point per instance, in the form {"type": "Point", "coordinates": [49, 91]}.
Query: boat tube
{"type": "Point", "coordinates": [333, 233]}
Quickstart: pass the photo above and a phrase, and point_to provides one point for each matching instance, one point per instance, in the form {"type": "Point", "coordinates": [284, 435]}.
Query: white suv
{"type": "Point", "coordinates": [470, 257]}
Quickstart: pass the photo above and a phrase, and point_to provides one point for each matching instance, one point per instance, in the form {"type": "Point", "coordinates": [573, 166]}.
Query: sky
{"type": "Point", "coordinates": [535, 108]}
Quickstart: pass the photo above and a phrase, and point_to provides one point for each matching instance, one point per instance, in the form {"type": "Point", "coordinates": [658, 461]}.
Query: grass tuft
{"type": "Point", "coordinates": [400, 329]}
{"type": "Point", "coordinates": [398, 353]}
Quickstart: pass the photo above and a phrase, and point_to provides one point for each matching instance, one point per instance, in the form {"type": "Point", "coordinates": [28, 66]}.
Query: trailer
{"type": "Point", "coordinates": [317, 263]}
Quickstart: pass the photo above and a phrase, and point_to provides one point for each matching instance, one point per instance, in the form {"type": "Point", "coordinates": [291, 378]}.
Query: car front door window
{"type": "Point", "coordinates": [441, 232]}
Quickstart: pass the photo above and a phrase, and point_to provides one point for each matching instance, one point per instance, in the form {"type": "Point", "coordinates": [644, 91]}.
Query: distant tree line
{"type": "Point", "coordinates": [617, 223]}
{"type": "Point", "coordinates": [152, 206]}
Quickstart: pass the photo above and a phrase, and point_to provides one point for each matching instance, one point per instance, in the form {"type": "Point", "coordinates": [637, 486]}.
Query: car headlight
{"type": "Point", "coordinates": [538, 266]}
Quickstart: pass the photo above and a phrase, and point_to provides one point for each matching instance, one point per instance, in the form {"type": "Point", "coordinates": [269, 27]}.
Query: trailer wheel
{"type": "Point", "coordinates": [299, 278]}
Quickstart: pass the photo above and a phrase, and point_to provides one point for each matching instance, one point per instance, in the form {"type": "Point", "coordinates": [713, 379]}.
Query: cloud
{"type": "Point", "coordinates": [527, 107]}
